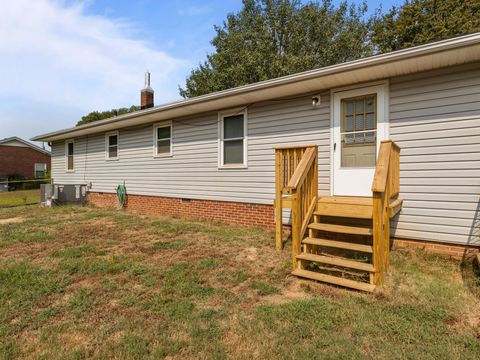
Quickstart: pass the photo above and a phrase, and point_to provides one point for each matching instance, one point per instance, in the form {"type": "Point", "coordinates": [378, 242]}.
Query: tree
{"type": "Point", "coordinates": [272, 38]}
{"type": "Point", "coordinates": [96, 115]}
{"type": "Point", "coordinates": [420, 21]}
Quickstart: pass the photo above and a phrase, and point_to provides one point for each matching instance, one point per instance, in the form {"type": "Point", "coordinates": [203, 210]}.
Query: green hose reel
{"type": "Point", "coordinates": [122, 194]}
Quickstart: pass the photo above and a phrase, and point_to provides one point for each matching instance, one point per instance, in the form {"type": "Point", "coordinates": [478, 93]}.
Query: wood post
{"type": "Point", "coordinates": [296, 241]}
{"type": "Point", "coordinates": [278, 201]}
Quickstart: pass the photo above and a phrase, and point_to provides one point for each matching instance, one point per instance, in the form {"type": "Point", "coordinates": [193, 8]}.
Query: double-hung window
{"type": "Point", "coordinates": [40, 170]}
{"type": "Point", "coordinates": [69, 155]}
{"type": "Point", "coordinates": [233, 140]}
{"type": "Point", "coordinates": [111, 146]}
{"type": "Point", "coordinates": [162, 140]}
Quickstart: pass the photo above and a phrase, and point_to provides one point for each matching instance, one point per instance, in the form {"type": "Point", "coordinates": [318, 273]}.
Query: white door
{"type": "Point", "coordinates": [360, 123]}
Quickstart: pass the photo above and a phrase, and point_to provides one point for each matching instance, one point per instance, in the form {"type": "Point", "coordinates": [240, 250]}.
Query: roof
{"type": "Point", "coordinates": [456, 51]}
{"type": "Point", "coordinates": [25, 143]}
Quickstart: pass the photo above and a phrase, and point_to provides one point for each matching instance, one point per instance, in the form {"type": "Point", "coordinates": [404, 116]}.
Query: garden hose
{"type": "Point", "coordinates": [122, 194]}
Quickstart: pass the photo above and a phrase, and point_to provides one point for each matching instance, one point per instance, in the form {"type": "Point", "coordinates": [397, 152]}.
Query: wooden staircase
{"type": "Point", "coordinates": [348, 238]}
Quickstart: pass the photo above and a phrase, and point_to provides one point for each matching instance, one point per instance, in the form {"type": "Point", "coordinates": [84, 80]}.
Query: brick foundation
{"type": "Point", "coordinates": [449, 250]}
{"type": "Point", "coordinates": [229, 212]}
{"type": "Point", "coordinates": [245, 214]}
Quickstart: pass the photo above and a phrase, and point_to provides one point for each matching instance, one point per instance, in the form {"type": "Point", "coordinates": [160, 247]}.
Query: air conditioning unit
{"type": "Point", "coordinates": [59, 194]}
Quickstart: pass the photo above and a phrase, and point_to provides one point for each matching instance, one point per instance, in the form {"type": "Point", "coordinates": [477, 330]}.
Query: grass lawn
{"type": "Point", "coordinates": [82, 283]}
{"type": "Point", "coordinates": [19, 197]}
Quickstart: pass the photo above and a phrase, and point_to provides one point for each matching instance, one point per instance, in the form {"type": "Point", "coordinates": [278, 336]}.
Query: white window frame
{"type": "Point", "coordinates": [107, 145]}
{"type": "Point", "coordinates": [221, 117]}
{"type": "Point", "coordinates": [71, 141]}
{"type": "Point", "coordinates": [35, 169]}
{"type": "Point", "coordinates": [155, 140]}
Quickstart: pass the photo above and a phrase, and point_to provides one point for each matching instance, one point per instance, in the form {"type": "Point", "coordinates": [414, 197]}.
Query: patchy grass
{"type": "Point", "coordinates": [19, 197]}
{"type": "Point", "coordinates": [84, 283]}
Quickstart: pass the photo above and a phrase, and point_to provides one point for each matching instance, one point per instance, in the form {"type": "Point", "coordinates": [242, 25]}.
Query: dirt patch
{"type": "Point", "coordinates": [13, 220]}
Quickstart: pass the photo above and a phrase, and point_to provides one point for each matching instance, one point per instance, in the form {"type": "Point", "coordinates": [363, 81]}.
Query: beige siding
{"type": "Point", "coordinates": [435, 118]}
{"type": "Point", "coordinates": [192, 171]}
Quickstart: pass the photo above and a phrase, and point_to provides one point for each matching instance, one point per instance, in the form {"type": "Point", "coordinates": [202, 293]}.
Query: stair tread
{"type": "Point", "coordinates": [358, 285]}
{"type": "Point", "coordinates": [359, 212]}
{"type": "Point", "coordinates": [338, 244]}
{"type": "Point", "coordinates": [345, 229]}
{"type": "Point", "coordinates": [352, 200]}
{"type": "Point", "coordinates": [337, 261]}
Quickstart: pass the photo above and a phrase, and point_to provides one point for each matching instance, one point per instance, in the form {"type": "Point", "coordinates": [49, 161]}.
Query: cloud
{"type": "Point", "coordinates": [54, 55]}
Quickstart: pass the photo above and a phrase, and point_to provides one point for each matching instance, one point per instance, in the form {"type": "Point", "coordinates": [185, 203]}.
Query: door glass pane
{"type": "Point", "coordinates": [349, 123]}
{"type": "Point", "coordinates": [348, 107]}
{"type": "Point", "coordinates": [370, 121]}
{"type": "Point", "coordinates": [233, 152]}
{"type": "Point", "coordinates": [359, 123]}
{"type": "Point", "coordinates": [359, 132]}
{"type": "Point", "coordinates": [370, 101]}
{"type": "Point", "coordinates": [233, 127]}
{"type": "Point", "coordinates": [359, 105]}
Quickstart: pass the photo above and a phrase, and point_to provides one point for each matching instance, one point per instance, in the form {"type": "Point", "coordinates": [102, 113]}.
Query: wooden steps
{"type": "Point", "coordinates": [344, 229]}
{"type": "Point", "coordinates": [352, 264]}
{"type": "Point", "coordinates": [358, 285]}
{"type": "Point", "coordinates": [339, 244]}
{"type": "Point", "coordinates": [344, 206]}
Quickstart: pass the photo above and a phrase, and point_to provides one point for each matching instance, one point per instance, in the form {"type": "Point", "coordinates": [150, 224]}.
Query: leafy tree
{"type": "Point", "coordinates": [100, 115]}
{"type": "Point", "coordinates": [272, 38]}
{"type": "Point", "coordinates": [420, 21]}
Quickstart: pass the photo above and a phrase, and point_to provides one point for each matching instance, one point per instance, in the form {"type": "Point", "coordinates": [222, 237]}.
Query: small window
{"type": "Point", "coordinates": [111, 145]}
{"type": "Point", "coordinates": [233, 140]}
{"type": "Point", "coordinates": [162, 140]}
{"type": "Point", "coordinates": [70, 151]}
{"type": "Point", "coordinates": [40, 170]}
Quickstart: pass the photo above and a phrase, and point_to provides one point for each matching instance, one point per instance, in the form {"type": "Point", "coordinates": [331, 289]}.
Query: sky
{"type": "Point", "coordinates": [61, 59]}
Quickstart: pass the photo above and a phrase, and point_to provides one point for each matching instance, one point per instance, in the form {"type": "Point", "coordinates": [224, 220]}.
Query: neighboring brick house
{"type": "Point", "coordinates": [19, 157]}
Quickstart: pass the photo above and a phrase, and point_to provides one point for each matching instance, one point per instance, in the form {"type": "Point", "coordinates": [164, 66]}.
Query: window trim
{"type": "Point", "coordinates": [107, 145]}
{"type": "Point", "coordinates": [155, 139]}
{"type": "Point", "coordinates": [221, 116]}
{"type": "Point", "coordinates": [71, 141]}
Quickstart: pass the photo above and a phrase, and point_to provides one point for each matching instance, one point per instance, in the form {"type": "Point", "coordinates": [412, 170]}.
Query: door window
{"type": "Point", "coordinates": [359, 131]}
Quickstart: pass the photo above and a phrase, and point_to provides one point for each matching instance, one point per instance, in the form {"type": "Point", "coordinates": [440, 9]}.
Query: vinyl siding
{"type": "Point", "coordinates": [435, 119]}
{"type": "Point", "coordinates": [192, 171]}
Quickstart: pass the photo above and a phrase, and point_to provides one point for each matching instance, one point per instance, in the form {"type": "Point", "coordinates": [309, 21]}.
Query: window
{"type": "Point", "coordinates": [162, 139]}
{"type": "Point", "coordinates": [233, 139]}
{"type": "Point", "coordinates": [359, 131]}
{"type": "Point", "coordinates": [111, 146]}
{"type": "Point", "coordinates": [69, 153]}
{"type": "Point", "coordinates": [40, 170]}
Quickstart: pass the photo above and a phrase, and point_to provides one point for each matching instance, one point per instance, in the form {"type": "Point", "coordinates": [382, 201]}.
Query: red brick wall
{"type": "Point", "coordinates": [224, 211]}
{"type": "Point", "coordinates": [20, 160]}
{"type": "Point", "coordinates": [455, 251]}
{"type": "Point", "coordinates": [244, 214]}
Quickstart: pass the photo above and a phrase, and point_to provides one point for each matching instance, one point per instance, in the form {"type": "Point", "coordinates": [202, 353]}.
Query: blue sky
{"type": "Point", "coordinates": [60, 59]}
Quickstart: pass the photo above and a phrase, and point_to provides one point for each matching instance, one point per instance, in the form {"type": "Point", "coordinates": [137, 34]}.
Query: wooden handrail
{"type": "Point", "coordinates": [302, 169]}
{"type": "Point", "coordinates": [385, 187]}
{"type": "Point", "coordinates": [296, 174]}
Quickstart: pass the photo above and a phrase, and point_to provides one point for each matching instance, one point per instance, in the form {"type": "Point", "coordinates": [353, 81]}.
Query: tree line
{"type": "Point", "coordinates": [266, 39]}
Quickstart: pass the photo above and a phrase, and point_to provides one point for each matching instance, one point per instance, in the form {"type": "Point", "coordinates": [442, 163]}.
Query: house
{"type": "Point", "coordinates": [385, 147]}
{"type": "Point", "coordinates": [22, 158]}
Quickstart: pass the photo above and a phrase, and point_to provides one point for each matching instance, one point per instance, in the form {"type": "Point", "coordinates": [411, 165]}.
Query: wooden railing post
{"type": "Point", "coordinates": [278, 200]}
{"type": "Point", "coordinates": [296, 241]}
{"type": "Point", "coordinates": [385, 187]}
